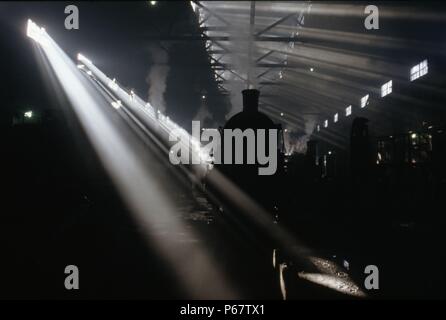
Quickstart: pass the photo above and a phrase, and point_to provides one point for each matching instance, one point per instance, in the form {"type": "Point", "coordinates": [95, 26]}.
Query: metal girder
{"type": "Point", "coordinates": [281, 20]}
{"type": "Point", "coordinates": [263, 83]}
{"type": "Point", "coordinates": [219, 76]}
{"type": "Point", "coordinates": [216, 62]}
{"type": "Point", "coordinates": [220, 86]}
{"type": "Point", "coordinates": [217, 51]}
{"type": "Point", "coordinates": [194, 37]}
{"type": "Point", "coordinates": [237, 75]}
{"type": "Point", "coordinates": [258, 65]}
{"type": "Point", "coordinates": [212, 13]}
{"type": "Point", "coordinates": [222, 36]}
{"type": "Point", "coordinates": [273, 65]}
{"type": "Point", "coordinates": [265, 55]}
{"type": "Point", "coordinates": [263, 73]}
{"type": "Point", "coordinates": [200, 23]}
{"type": "Point", "coordinates": [222, 47]}
{"type": "Point", "coordinates": [225, 67]}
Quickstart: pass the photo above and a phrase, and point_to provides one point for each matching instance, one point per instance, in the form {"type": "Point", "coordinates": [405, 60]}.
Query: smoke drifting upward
{"type": "Point", "coordinates": [235, 91]}
{"type": "Point", "coordinates": [157, 77]}
{"type": "Point", "coordinates": [204, 116]}
{"type": "Point", "coordinates": [243, 47]}
{"type": "Point", "coordinates": [243, 65]}
{"type": "Point", "coordinates": [298, 143]}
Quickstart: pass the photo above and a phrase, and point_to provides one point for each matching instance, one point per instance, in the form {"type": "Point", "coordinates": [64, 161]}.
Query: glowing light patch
{"type": "Point", "coordinates": [113, 85]}
{"type": "Point", "coordinates": [386, 89]}
{"type": "Point", "coordinates": [194, 6]}
{"type": "Point", "coordinates": [82, 58]}
{"type": "Point", "coordinates": [336, 117]}
{"type": "Point", "coordinates": [364, 101]}
{"type": "Point", "coordinates": [28, 114]}
{"type": "Point", "coordinates": [326, 124]}
{"type": "Point", "coordinates": [348, 111]}
{"type": "Point", "coordinates": [206, 157]}
{"type": "Point", "coordinates": [34, 32]}
{"type": "Point", "coordinates": [282, 268]}
{"type": "Point", "coordinates": [343, 285]}
{"type": "Point", "coordinates": [274, 258]}
{"type": "Point", "coordinates": [116, 104]}
{"type": "Point", "coordinates": [332, 276]}
{"type": "Point", "coordinates": [418, 70]}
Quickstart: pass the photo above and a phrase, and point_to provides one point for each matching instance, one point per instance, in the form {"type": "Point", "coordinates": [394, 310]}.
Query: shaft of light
{"type": "Point", "coordinates": [140, 187]}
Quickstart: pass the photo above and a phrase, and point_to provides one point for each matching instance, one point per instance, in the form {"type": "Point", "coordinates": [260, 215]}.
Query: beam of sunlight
{"type": "Point", "coordinates": [143, 189]}
{"type": "Point", "coordinates": [140, 186]}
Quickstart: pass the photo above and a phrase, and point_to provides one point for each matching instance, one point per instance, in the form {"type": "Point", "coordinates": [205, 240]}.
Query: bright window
{"type": "Point", "coordinates": [364, 101]}
{"type": "Point", "coordinates": [386, 88]}
{"type": "Point", "coordinates": [336, 118]}
{"type": "Point", "coordinates": [348, 111]}
{"type": "Point", "coordinates": [418, 70]}
{"type": "Point", "coordinates": [326, 123]}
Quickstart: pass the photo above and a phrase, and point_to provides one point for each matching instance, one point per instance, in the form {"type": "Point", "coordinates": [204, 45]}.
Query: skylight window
{"type": "Point", "coordinates": [348, 111]}
{"type": "Point", "coordinates": [386, 88]}
{"type": "Point", "coordinates": [418, 70]}
{"type": "Point", "coordinates": [364, 101]}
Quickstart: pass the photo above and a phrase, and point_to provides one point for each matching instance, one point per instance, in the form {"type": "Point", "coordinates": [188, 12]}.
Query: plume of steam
{"type": "Point", "coordinates": [298, 143]}
{"type": "Point", "coordinates": [239, 59]}
{"type": "Point", "coordinates": [157, 77]}
{"type": "Point", "coordinates": [235, 97]}
{"type": "Point", "coordinates": [242, 42]}
{"type": "Point", "coordinates": [204, 116]}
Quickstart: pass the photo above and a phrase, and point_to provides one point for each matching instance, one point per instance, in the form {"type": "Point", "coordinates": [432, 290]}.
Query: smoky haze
{"type": "Point", "coordinates": [157, 76]}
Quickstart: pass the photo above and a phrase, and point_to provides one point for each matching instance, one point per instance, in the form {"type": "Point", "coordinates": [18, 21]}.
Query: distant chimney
{"type": "Point", "coordinates": [250, 100]}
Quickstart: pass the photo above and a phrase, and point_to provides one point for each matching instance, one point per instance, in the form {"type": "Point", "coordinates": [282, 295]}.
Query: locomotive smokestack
{"type": "Point", "coordinates": [250, 100]}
